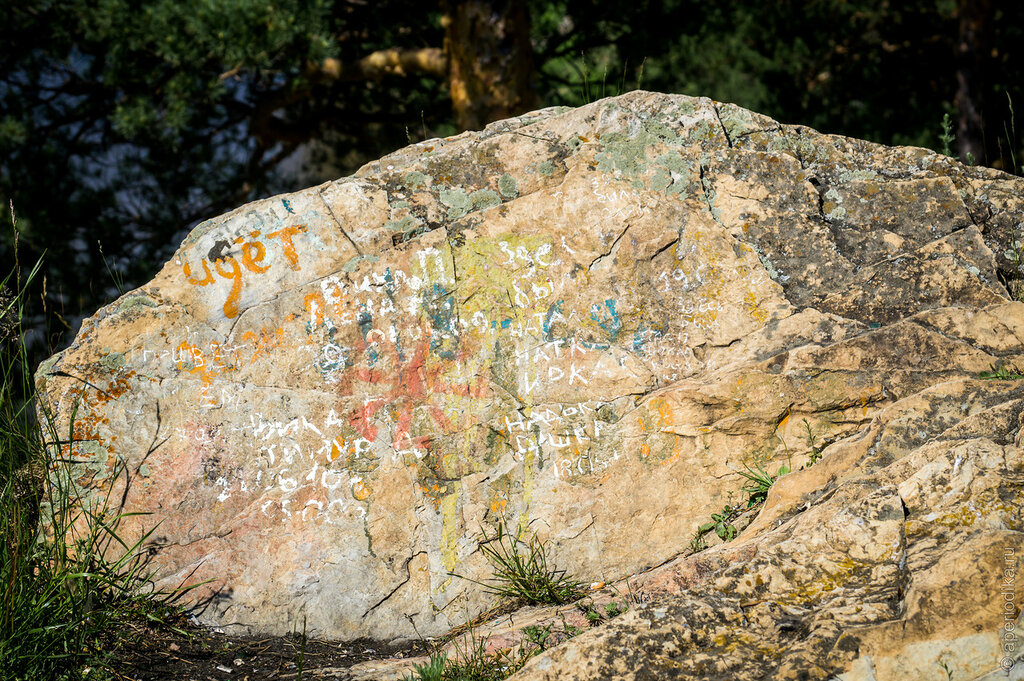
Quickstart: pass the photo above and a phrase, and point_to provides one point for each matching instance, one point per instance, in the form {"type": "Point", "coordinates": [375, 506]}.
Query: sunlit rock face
{"type": "Point", "coordinates": [898, 556]}
{"type": "Point", "coordinates": [581, 321]}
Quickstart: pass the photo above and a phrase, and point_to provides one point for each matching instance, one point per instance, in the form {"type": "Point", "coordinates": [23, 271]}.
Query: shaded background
{"type": "Point", "coordinates": [125, 123]}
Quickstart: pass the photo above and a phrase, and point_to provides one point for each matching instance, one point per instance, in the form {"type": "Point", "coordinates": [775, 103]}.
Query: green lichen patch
{"type": "Point", "coordinates": [484, 198]}
{"type": "Point", "coordinates": [113, 361]}
{"type": "Point", "coordinates": [507, 186]}
{"type": "Point", "coordinates": [673, 161]}
{"type": "Point", "coordinates": [627, 153]}
{"type": "Point", "coordinates": [858, 175]}
{"type": "Point", "coordinates": [98, 463]}
{"type": "Point", "coordinates": [405, 224]}
{"type": "Point", "coordinates": [808, 150]}
{"type": "Point", "coordinates": [661, 181]}
{"type": "Point", "coordinates": [457, 201]}
{"type": "Point", "coordinates": [46, 366]}
{"type": "Point", "coordinates": [546, 168]}
{"type": "Point", "coordinates": [736, 121]}
{"type": "Point", "coordinates": [416, 179]}
{"type": "Point", "coordinates": [134, 301]}
{"type": "Point", "coordinates": [687, 107]}
{"type": "Point", "coordinates": [832, 205]}
{"type": "Point", "coordinates": [674, 174]}
{"type": "Point", "coordinates": [766, 262]}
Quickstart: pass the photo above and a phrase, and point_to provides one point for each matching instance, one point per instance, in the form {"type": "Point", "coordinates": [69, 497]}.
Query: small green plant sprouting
{"type": "Point", "coordinates": [301, 637]}
{"type": "Point", "coordinates": [469, 662]}
{"type": "Point", "coordinates": [811, 437]}
{"type": "Point", "coordinates": [721, 523]}
{"type": "Point", "coordinates": [812, 442]}
{"type": "Point", "coordinates": [474, 663]}
{"type": "Point", "coordinates": [431, 671]}
{"type": "Point", "coordinates": [593, 616]}
{"type": "Point", "coordinates": [539, 639]}
{"type": "Point", "coordinates": [1004, 372]}
{"type": "Point", "coordinates": [613, 609]}
{"type": "Point", "coordinates": [635, 596]}
{"type": "Point", "coordinates": [759, 481]}
{"type": "Point", "coordinates": [947, 137]}
{"type": "Point", "coordinates": [569, 630]}
{"type": "Point", "coordinates": [586, 79]}
{"type": "Point", "coordinates": [723, 528]}
{"type": "Point", "coordinates": [537, 635]}
{"type": "Point", "coordinates": [115, 275]}
{"type": "Point", "coordinates": [521, 570]}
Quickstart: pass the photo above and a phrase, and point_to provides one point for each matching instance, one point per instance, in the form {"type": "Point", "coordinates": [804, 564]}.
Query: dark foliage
{"type": "Point", "coordinates": [124, 123]}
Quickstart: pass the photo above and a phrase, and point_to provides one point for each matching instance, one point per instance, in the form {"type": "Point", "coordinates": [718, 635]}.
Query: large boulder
{"type": "Point", "coordinates": [583, 322]}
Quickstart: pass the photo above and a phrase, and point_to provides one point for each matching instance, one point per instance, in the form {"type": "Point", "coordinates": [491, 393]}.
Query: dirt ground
{"type": "Point", "coordinates": [193, 653]}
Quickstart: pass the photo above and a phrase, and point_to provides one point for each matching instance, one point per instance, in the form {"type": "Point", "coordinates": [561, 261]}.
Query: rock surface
{"type": "Point", "coordinates": [585, 322]}
{"type": "Point", "coordinates": [902, 565]}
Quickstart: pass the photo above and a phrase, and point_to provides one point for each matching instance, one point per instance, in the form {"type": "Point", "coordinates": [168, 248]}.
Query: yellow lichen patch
{"type": "Point", "coordinates": [361, 490]}
{"type": "Point", "coordinates": [736, 639]}
{"type": "Point", "coordinates": [752, 306]}
{"type": "Point", "coordinates": [831, 577]}
{"type": "Point", "coordinates": [985, 506]}
{"type": "Point", "coordinates": [964, 516]}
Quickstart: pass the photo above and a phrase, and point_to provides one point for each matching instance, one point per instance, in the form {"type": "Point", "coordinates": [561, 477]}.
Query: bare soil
{"type": "Point", "coordinates": [180, 651]}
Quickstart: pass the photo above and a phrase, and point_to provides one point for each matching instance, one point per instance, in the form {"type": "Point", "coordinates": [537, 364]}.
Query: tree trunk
{"type": "Point", "coordinates": [972, 54]}
{"type": "Point", "coordinates": [490, 60]}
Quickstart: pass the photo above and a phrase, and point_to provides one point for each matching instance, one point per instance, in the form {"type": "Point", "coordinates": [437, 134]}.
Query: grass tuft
{"type": "Point", "coordinates": [70, 587]}
{"type": "Point", "coordinates": [759, 481]}
{"type": "Point", "coordinates": [432, 671]}
{"type": "Point", "coordinates": [521, 570]}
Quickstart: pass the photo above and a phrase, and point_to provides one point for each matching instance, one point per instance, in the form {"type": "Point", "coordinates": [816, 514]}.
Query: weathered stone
{"type": "Point", "coordinates": [586, 322]}
{"type": "Point", "coordinates": [903, 572]}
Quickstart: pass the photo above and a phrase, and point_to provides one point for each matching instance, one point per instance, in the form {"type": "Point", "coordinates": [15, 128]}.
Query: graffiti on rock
{"type": "Point", "coordinates": [252, 255]}
{"type": "Point", "coordinates": [452, 355]}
